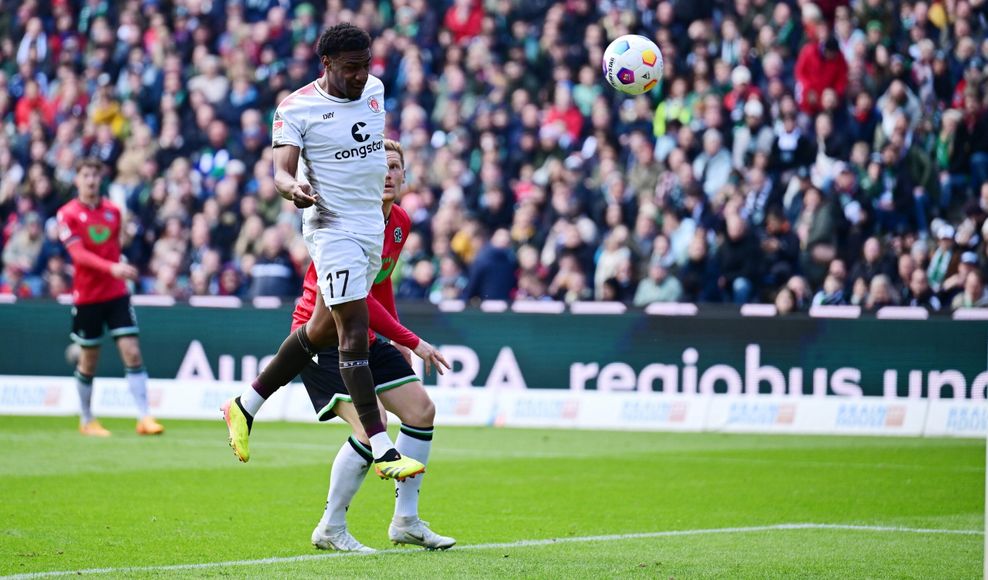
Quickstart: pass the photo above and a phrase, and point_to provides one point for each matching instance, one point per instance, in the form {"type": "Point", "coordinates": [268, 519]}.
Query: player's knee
{"type": "Point", "coordinates": [130, 350]}
{"type": "Point", "coordinates": [422, 414]}
{"type": "Point", "coordinates": [352, 325]}
{"type": "Point", "coordinates": [88, 357]}
{"type": "Point", "coordinates": [133, 358]}
{"type": "Point", "coordinates": [86, 367]}
{"type": "Point", "coordinates": [354, 340]}
{"type": "Point", "coordinates": [321, 333]}
{"type": "Point", "coordinates": [428, 413]}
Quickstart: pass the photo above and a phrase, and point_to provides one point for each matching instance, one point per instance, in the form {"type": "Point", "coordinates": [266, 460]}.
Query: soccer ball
{"type": "Point", "coordinates": [633, 64]}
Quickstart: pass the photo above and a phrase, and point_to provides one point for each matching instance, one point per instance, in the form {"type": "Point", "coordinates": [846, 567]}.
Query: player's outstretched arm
{"type": "Point", "coordinates": [83, 257]}
{"type": "Point", "coordinates": [285, 170]}
{"type": "Point", "coordinates": [383, 323]}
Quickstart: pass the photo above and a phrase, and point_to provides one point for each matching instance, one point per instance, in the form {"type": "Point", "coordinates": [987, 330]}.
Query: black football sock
{"type": "Point", "coordinates": [356, 373]}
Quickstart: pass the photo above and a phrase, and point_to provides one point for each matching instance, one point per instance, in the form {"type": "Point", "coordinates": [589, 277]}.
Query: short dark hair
{"type": "Point", "coordinates": [343, 37]}
{"type": "Point", "coordinates": [92, 162]}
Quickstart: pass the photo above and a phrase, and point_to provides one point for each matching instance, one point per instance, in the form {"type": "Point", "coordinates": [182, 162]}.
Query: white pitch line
{"type": "Point", "coordinates": [499, 546]}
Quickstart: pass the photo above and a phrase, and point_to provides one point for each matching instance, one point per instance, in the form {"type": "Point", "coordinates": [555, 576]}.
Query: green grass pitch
{"type": "Point", "coordinates": [161, 507]}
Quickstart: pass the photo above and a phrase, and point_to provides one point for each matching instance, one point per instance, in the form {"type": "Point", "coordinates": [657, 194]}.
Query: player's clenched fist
{"type": "Point", "coordinates": [301, 195]}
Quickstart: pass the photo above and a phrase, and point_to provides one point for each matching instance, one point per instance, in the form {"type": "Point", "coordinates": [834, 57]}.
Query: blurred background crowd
{"type": "Point", "coordinates": [796, 153]}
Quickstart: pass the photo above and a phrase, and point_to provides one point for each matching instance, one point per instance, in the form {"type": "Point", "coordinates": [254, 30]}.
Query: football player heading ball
{"type": "Point", "coordinates": [328, 140]}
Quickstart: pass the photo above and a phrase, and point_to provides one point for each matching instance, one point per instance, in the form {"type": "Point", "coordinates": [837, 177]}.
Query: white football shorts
{"type": "Point", "coordinates": [346, 263]}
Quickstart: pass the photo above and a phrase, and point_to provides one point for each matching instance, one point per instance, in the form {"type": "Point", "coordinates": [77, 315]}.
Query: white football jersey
{"type": "Point", "coordinates": [342, 156]}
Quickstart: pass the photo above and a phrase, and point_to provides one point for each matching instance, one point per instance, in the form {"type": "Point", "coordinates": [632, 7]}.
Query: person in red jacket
{"type": "Point", "coordinates": [820, 66]}
{"type": "Point", "coordinates": [89, 226]}
{"type": "Point", "coordinates": [33, 100]}
{"type": "Point", "coordinates": [564, 115]}
{"type": "Point", "coordinates": [464, 19]}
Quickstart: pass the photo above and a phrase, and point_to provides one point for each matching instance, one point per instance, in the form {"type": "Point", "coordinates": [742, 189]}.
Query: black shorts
{"type": "Point", "coordinates": [325, 386]}
{"type": "Point", "coordinates": [89, 321]}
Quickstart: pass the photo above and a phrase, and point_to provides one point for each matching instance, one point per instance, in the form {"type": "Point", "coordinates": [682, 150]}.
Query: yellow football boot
{"type": "Point", "coordinates": [148, 426]}
{"type": "Point", "coordinates": [394, 466]}
{"type": "Point", "coordinates": [93, 429]}
{"type": "Point", "coordinates": [238, 425]}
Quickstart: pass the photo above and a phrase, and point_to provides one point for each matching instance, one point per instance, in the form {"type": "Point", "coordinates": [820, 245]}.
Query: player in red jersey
{"type": "Point", "coordinates": [89, 226]}
{"type": "Point", "coordinates": [396, 385]}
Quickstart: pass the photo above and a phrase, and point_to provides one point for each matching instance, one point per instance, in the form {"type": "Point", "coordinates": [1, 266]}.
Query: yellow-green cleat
{"type": "Point", "coordinates": [238, 424]}
{"type": "Point", "coordinates": [394, 466]}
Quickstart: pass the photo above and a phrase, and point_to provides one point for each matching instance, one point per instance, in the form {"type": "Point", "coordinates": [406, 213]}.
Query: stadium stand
{"type": "Point", "coordinates": [795, 153]}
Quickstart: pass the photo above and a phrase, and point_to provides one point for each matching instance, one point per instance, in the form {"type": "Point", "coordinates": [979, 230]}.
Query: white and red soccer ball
{"type": "Point", "coordinates": [633, 64]}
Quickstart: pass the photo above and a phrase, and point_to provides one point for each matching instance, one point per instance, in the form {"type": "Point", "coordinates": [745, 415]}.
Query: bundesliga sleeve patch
{"type": "Point", "coordinates": [64, 230]}
{"type": "Point", "coordinates": [278, 127]}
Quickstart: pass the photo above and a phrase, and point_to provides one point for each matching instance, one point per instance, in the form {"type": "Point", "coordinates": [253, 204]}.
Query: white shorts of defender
{"type": "Point", "coordinates": [346, 264]}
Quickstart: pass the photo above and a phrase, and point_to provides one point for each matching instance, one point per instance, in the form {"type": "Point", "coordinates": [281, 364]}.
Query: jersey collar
{"type": "Point", "coordinates": [327, 95]}
{"type": "Point", "coordinates": [95, 206]}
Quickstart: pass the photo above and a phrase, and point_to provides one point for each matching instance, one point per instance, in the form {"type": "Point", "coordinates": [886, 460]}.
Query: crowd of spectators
{"type": "Point", "coordinates": [797, 153]}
